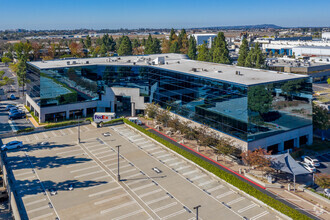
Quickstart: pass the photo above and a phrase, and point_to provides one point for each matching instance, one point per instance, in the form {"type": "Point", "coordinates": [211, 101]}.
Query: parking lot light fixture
{"type": "Point", "coordinates": [78, 131]}
{"type": "Point", "coordinates": [118, 175]}
{"type": "Point", "coordinates": [197, 207]}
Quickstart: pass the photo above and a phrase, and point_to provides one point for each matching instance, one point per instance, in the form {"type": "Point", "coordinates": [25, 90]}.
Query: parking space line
{"type": "Point", "coordinates": [35, 136]}
{"type": "Point", "coordinates": [205, 183]}
{"type": "Point", "coordinates": [235, 200]}
{"type": "Point", "coordinates": [189, 172]}
{"type": "Point", "coordinates": [102, 152]}
{"type": "Point", "coordinates": [215, 188]}
{"type": "Point", "coordinates": [104, 191]}
{"type": "Point", "coordinates": [165, 155]}
{"type": "Point", "coordinates": [35, 202]}
{"type": "Point", "coordinates": [21, 174]}
{"type": "Point", "coordinates": [247, 208]}
{"type": "Point", "coordinates": [45, 135]}
{"type": "Point", "coordinates": [127, 171]}
{"type": "Point", "coordinates": [158, 152]}
{"type": "Point", "coordinates": [100, 177]}
{"type": "Point", "coordinates": [69, 151]}
{"type": "Point", "coordinates": [150, 193]}
{"type": "Point", "coordinates": [148, 145]}
{"type": "Point", "coordinates": [95, 186]}
{"type": "Point", "coordinates": [174, 214]}
{"type": "Point", "coordinates": [165, 206]}
{"type": "Point", "coordinates": [43, 216]}
{"type": "Point", "coordinates": [38, 209]}
{"type": "Point", "coordinates": [137, 140]}
{"type": "Point", "coordinates": [109, 155]}
{"type": "Point", "coordinates": [54, 134]}
{"type": "Point", "coordinates": [134, 175]}
{"type": "Point", "coordinates": [79, 164]}
{"type": "Point", "coordinates": [99, 149]}
{"type": "Point", "coordinates": [177, 163]}
{"type": "Point", "coordinates": [27, 138]}
{"type": "Point", "coordinates": [85, 168]}
{"type": "Point", "coordinates": [142, 187]}
{"type": "Point", "coordinates": [61, 131]}
{"type": "Point", "coordinates": [87, 174]}
{"type": "Point", "coordinates": [198, 177]}
{"type": "Point", "coordinates": [224, 194]}
{"type": "Point", "coordinates": [117, 207]}
{"type": "Point", "coordinates": [259, 215]}
{"type": "Point", "coordinates": [72, 132]}
{"type": "Point", "coordinates": [105, 161]}
{"type": "Point", "coordinates": [157, 200]}
{"type": "Point", "coordinates": [165, 161]}
{"type": "Point", "coordinates": [184, 167]}
{"type": "Point", "coordinates": [128, 165]}
{"type": "Point", "coordinates": [129, 214]}
{"type": "Point", "coordinates": [111, 164]}
{"type": "Point", "coordinates": [110, 199]}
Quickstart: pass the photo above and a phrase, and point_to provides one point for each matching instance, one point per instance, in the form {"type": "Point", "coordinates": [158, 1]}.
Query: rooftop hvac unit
{"type": "Point", "coordinates": [68, 63]}
{"type": "Point", "coordinates": [178, 62]}
{"type": "Point", "coordinates": [134, 63]}
{"type": "Point", "coordinates": [166, 63]}
{"type": "Point", "coordinates": [218, 71]}
{"type": "Point", "coordinates": [128, 61]}
{"type": "Point", "coordinates": [74, 62]}
{"type": "Point", "coordinates": [87, 62]}
{"type": "Point", "coordinates": [194, 69]}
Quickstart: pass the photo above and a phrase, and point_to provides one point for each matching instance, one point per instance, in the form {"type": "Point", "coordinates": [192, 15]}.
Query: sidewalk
{"type": "Point", "coordinates": [316, 208]}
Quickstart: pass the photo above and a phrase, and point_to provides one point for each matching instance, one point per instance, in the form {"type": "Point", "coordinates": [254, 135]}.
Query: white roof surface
{"type": "Point", "coordinates": [180, 63]}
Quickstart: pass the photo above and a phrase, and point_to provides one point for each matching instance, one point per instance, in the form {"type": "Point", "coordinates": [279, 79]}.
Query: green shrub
{"type": "Point", "coordinates": [25, 130]}
{"type": "Point", "coordinates": [32, 114]}
{"type": "Point", "coordinates": [61, 124]}
{"type": "Point", "coordinates": [228, 177]}
{"type": "Point", "coordinates": [113, 121]}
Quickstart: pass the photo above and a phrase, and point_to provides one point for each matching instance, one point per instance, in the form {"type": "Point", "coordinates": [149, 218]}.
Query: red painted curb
{"type": "Point", "coordinates": [209, 159]}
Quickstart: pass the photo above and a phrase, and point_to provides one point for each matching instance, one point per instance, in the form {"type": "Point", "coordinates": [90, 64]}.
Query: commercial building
{"type": "Point", "coordinates": [201, 38]}
{"type": "Point", "coordinates": [255, 108]}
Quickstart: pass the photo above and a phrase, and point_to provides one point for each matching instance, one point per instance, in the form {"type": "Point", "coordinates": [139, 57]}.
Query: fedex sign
{"type": "Point", "coordinates": [103, 117]}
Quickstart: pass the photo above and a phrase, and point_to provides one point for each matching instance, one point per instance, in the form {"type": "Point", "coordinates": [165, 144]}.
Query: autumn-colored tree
{"type": "Point", "coordinates": [323, 180]}
{"type": "Point", "coordinates": [36, 47]}
{"type": "Point", "coordinates": [257, 158]}
{"type": "Point", "coordinates": [165, 46]}
{"type": "Point", "coordinates": [76, 49]}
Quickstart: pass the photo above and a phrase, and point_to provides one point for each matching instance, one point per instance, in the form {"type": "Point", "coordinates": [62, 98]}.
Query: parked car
{"type": "Point", "coordinates": [12, 145]}
{"type": "Point", "coordinates": [309, 167]}
{"type": "Point", "coordinates": [312, 161]}
{"type": "Point", "coordinates": [70, 187]}
{"type": "Point", "coordinates": [327, 192]}
{"type": "Point", "coordinates": [16, 115]}
{"type": "Point", "coordinates": [12, 97]}
{"type": "Point", "coordinates": [9, 107]}
{"type": "Point", "coordinates": [52, 191]}
{"type": "Point", "coordinates": [13, 109]}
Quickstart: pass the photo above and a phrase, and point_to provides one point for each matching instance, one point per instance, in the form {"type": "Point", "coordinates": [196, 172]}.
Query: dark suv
{"type": "Point", "coordinates": [16, 115]}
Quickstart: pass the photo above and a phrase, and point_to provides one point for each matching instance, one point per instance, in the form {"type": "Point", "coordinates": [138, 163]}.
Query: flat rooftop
{"type": "Point", "coordinates": [92, 167]}
{"type": "Point", "coordinates": [180, 63]}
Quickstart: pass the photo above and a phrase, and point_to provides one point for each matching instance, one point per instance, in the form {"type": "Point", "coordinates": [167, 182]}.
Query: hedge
{"type": "Point", "coordinates": [113, 121]}
{"type": "Point", "coordinates": [228, 177]}
{"type": "Point", "coordinates": [32, 114]}
{"type": "Point", "coordinates": [25, 130]}
{"type": "Point", "coordinates": [61, 124]}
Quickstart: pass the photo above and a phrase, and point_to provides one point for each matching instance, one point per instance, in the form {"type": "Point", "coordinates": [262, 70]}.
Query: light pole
{"type": "Point", "coordinates": [78, 131]}
{"type": "Point", "coordinates": [118, 176]}
{"type": "Point", "coordinates": [196, 207]}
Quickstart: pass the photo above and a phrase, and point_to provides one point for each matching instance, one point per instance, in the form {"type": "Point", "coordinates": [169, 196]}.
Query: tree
{"type": "Point", "coordinates": [152, 46]}
{"type": "Point", "coordinates": [203, 53]}
{"type": "Point", "coordinates": [88, 41]}
{"type": "Point", "coordinates": [76, 49]}
{"type": "Point", "coordinates": [328, 80]}
{"type": "Point", "coordinates": [243, 52]}
{"type": "Point", "coordinates": [165, 46]}
{"type": "Point", "coordinates": [192, 48]}
{"type": "Point", "coordinates": [152, 110]}
{"type": "Point", "coordinates": [259, 99]}
{"type": "Point", "coordinates": [125, 47]}
{"type": "Point", "coordinates": [257, 158]}
{"type": "Point", "coordinates": [323, 180]}
{"type": "Point", "coordinates": [135, 43]}
{"type": "Point", "coordinates": [225, 147]}
{"type": "Point", "coordinates": [291, 87]}
{"type": "Point", "coordinates": [255, 58]}
{"type": "Point", "coordinates": [220, 52]}
{"type": "Point", "coordinates": [183, 42]}
{"type": "Point", "coordinates": [6, 60]}
{"type": "Point", "coordinates": [175, 47]}
{"type": "Point", "coordinates": [172, 36]}
{"type": "Point", "coordinates": [36, 50]}
{"type": "Point", "coordinates": [321, 118]}
{"type": "Point", "coordinates": [21, 74]}
{"type": "Point", "coordinates": [271, 54]}
{"type": "Point", "coordinates": [163, 116]}
{"type": "Point", "coordinates": [22, 50]}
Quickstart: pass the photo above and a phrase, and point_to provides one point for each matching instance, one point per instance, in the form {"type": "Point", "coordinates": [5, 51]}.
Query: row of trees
{"type": "Point", "coordinates": [253, 57]}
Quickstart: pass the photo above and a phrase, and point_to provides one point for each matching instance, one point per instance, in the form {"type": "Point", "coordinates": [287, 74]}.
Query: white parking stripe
{"type": "Point", "coordinates": [95, 186]}
{"type": "Point", "coordinates": [259, 216]}
{"type": "Point", "coordinates": [205, 183]}
{"type": "Point", "coordinates": [127, 171]}
{"type": "Point", "coordinates": [35, 136]}
{"type": "Point", "coordinates": [215, 188]}
{"type": "Point", "coordinates": [136, 181]}
{"type": "Point", "coordinates": [45, 135]}
{"type": "Point", "coordinates": [247, 208]}
{"type": "Point", "coordinates": [87, 174]}
{"type": "Point", "coordinates": [61, 131]}
{"type": "Point", "coordinates": [190, 172]}
{"type": "Point", "coordinates": [85, 168]}
{"type": "Point", "coordinates": [198, 177]}
{"type": "Point", "coordinates": [148, 145]}
{"type": "Point", "coordinates": [105, 191]}
{"type": "Point", "coordinates": [108, 155]}
{"type": "Point", "coordinates": [165, 161]}
{"type": "Point", "coordinates": [129, 214]}
{"type": "Point", "coordinates": [93, 146]}
{"type": "Point", "coordinates": [177, 163]}
{"type": "Point", "coordinates": [157, 200]}
{"type": "Point", "coordinates": [35, 202]}
{"type": "Point", "coordinates": [101, 177]}
{"type": "Point", "coordinates": [111, 164]}
{"type": "Point", "coordinates": [165, 155]}
{"type": "Point", "coordinates": [174, 214]}
{"type": "Point", "coordinates": [150, 193]}
{"type": "Point", "coordinates": [54, 134]}
{"type": "Point", "coordinates": [38, 209]}
{"type": "Point", "coordinates": [102, 152]}
{"type": "Point", "coordinates": [69, 151]}
{"type": "Point", "coordinates": [102, 148]}
{"type": "Point", "coordinates": [224, 194]}
{"type": "Point", "coordinates": [184, 167]}
{"type": "Point", "coordinates": [79, 164]}
{"type": "Point", "coordinates": [165, 207]}
{"type": "Point", "coordinates": [43, 216]}
{"type": "Point", "coordinates": [158, 152]}
{"type": "Point", "coordinates": [21, 174]}
{"type": "Point", "coordinates": [143, 187]}
{"type": "Point", "coordinates": [236, 200]}
{"type": "Point", "coordinates": [117, 207]}
{"type": "Point", "coordinates": [110, 199]}
{"type": "Point", "coordinates": [72, 132]}
{"type": "Point", "coordinates": [128, 165]}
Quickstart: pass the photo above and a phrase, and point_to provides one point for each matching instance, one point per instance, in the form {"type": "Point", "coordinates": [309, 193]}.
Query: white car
{"type": "Point", "coordinates": [12, 145]}
{"type": "Point", "coordinates": [327, 192]}
{"type": "Point", "coordinates": [309, 167]}
{"type": "Point", "coordinates": [312, 161]}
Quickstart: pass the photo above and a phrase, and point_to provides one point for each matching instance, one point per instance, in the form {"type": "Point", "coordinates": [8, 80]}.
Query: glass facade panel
{"type": "Point", "coordinates": [247, 113]}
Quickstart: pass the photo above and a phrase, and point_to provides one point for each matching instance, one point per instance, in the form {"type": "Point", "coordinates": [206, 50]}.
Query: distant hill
{"type": "Point", "coordinates": [243, 27]}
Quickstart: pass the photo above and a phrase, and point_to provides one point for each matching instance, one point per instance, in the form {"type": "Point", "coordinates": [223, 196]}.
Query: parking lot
{"type": "Point", "coordinates": [53, 159]}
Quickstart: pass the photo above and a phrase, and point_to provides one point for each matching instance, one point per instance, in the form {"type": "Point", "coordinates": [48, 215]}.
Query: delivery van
{"type": "Point", "coordinates": [103, 116]}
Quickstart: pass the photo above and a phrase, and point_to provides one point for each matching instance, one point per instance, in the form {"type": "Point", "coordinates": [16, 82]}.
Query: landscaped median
{"type": "Point", "coordinates": [228, 177]}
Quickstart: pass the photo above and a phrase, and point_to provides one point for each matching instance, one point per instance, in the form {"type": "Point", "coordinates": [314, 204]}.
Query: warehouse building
{"type": "Point", "coordinates": [255, 108]}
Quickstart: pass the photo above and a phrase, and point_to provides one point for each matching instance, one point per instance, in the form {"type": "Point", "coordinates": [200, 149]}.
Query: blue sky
{"type": "Point", "coordinates": [112, 14]}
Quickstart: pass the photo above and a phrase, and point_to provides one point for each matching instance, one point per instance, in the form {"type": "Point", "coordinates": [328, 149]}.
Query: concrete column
{"type": "Point", "coordinates": [281, 146]}
{"type": "Point", "coordinates": [296, 142]}
{"type": "Point", "coordinates": [84, 112]}
{"type": "Point", "coordinates": [41, 118]}
{"type": "Point", "coordinates": [309, 139]}
{"type": "Point", "coordinates": [67, 114]}
{"type": "Point", "coordinates": [133, 109]}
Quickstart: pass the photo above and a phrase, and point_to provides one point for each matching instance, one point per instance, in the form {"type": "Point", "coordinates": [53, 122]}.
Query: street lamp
{"type": "Point", "coordinates": [78, 131]}
{"type": "Point", "coordinates": [118, 176]}
{"type": "Point", "coordinates": [196, 207]}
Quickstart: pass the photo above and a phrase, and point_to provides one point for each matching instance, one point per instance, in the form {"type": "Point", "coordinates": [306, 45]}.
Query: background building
{"type": "Point", "coordinates": [201, 38]}
{"type": "Point", "coordinates": [255, 108]}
